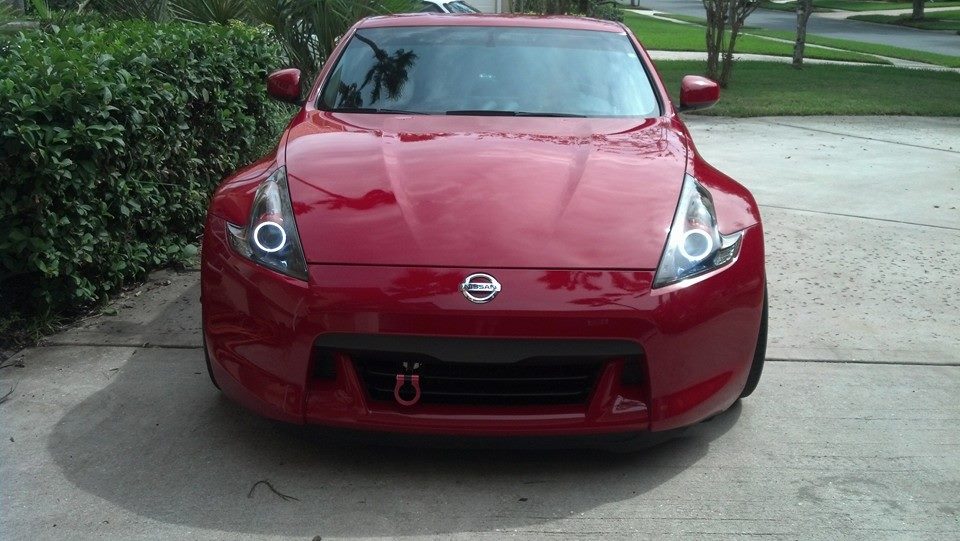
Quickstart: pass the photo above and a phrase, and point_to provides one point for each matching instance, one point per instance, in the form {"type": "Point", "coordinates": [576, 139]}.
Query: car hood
{"type": "Point", "coordinates": [484, 192]}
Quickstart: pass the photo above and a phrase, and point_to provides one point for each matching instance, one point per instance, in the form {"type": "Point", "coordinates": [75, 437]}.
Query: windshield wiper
{"type": "Point", "coordinates": [494, 112]}
{"type": "Point", "coordinates": [375, 110]}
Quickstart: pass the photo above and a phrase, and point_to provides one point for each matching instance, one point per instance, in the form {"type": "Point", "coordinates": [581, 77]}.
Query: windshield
{"type": "Point", "coordinates": [461, 7]}
{"type": "Point", "coordinates": [485, 70]}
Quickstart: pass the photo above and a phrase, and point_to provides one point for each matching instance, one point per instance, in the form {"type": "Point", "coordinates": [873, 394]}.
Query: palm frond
{"type": "Point", "coordinates": [210, 11]}
{"type": "Point", "coordinates": [309, 29]}
{"type": "Point", "coordinates": [151, 10]}
{"type": "Point", "coordinates": [41, 9]}
{"type": "Point", "coordinates": [7, 13]}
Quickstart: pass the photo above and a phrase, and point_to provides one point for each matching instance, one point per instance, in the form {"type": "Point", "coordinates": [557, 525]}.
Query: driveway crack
{"type": "Point", "coordinates": [862, 137]}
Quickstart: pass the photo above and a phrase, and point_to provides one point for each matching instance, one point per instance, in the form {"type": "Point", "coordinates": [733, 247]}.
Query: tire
{"type": "Point", "coordinates": [206, 357]}
{"type": "Point", "coordinates": [759, 354]}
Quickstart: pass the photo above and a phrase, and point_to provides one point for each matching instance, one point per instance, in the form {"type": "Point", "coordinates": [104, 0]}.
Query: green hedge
{"type": "Point", "coordinates": [112, 137]}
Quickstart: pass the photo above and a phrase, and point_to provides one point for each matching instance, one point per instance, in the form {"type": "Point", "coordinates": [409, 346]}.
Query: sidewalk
{"type": "Point", "coordinates": [694, 55]}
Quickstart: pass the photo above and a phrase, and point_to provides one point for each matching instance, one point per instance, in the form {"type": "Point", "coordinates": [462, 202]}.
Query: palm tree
{"type": "Point", "coordinates": [390, 71]}
{"type": "Point", "coordinates": [308, 30]}
{"type": "Point", "coordinates": [210, 11]}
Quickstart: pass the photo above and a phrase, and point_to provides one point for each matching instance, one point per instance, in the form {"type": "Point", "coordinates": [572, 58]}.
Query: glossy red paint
{"type": "Point", "coordinates": [284, 85]}
{"type": "Point", "coordinates": [698, 92]}
{"type": "Point", "coordinates": [260, 329]}
{"type": "Point", "coordinates": [450, 191]}
{"type": "Point", "coordinates": [570, 216]}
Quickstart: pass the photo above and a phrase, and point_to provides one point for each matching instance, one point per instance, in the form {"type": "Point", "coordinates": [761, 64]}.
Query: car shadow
{"type": "Point", "coordinates": [161, 442]}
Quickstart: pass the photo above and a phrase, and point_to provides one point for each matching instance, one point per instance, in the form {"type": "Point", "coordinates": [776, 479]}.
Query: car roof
{"type": "Point", "coordinates": [448, 19]}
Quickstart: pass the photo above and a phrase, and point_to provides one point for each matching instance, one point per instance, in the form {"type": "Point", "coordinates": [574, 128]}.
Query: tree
{"type": "Point", "coordinates": [16, 6]}
{"type": "Point", "coordinates": [390, 71]}
{"type": "Point", "coordinates": [917, 10]}
{"type": "Point", "coordinates": [804, 9]}
{"type": "Point", "coordinates": [210, 11]}
{"type": "Point", "coordinates": [308, 30]}
{"type": "Point", "coordinates": [725, 19]}
{"type": "Point", "coordinates": [151, 10]}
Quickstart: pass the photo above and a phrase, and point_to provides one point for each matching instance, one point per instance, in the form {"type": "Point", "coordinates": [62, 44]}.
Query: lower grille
{"type": "Point", "coordinates": [535, 381]}
{"type": "Point", "coordinates": [480, 371]}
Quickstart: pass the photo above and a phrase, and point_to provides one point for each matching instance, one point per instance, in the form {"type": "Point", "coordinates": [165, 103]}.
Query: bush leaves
{"type": "Point", "coordinates": [111, 139]}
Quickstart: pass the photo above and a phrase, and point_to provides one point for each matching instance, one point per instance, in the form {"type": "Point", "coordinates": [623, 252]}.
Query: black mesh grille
{"type": "Point", "coordinates": [481, 371]}
{"type": "Point", "coordinates": [541, 380]}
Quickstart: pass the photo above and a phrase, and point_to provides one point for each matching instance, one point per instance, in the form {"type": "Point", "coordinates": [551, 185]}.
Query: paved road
{"type": "Point", "coordinates": [911, 38]}
{"type": "Point", "coordinates": [113, 430]}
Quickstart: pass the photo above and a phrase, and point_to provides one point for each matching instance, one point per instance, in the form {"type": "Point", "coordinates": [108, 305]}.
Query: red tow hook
{"type": "Point", "coordinates": [401, 389]}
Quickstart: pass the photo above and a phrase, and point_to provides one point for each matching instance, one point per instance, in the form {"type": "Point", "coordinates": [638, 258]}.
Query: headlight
{"type": "Point", "coordinates": [694, 245]}
{"type": "Point", "coordinates": [270, 237]}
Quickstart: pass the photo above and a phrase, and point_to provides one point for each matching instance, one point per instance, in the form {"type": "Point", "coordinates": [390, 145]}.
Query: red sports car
{"type": "Point", "coordinates": [486, 226]}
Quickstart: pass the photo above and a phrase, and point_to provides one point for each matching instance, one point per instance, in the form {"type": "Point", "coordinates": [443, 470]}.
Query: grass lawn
{"type": "Point", "coordinates": [934, 20]}
{"type": "Point", "coordinates": [657, 34]}
{"type": "Point", "coordinates": [668, 36]}
{"type": "Point", "coordinates": [854, 5]}
{"type": "Point", "coordinates": [767, 88]}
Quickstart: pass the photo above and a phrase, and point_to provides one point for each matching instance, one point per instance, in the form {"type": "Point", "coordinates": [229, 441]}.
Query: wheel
{"type": "Point", "coordinates": [759, 354]}
{"type": "Point", "coordinates": [206, 357]}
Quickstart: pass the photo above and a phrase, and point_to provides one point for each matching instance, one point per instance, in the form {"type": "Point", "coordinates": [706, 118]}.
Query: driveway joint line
{"type": "Point", "coordinates": [807, 128]}
{"type": "Point", "coordinates": [145, 345]}
{"type": "Point", "coordinates": [890, 220]}
{"type": "Point", "coordinates": [861, 361]}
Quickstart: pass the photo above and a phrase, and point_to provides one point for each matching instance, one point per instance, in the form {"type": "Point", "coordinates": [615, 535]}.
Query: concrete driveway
{"type": "Point", "coordinates": [114, 431]}
{"type": "Point", "coordinates": [911, 38]}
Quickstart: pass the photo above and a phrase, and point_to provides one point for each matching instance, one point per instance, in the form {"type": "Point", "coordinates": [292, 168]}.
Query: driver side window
{"type": "Point", "coordinates": [427, 7]}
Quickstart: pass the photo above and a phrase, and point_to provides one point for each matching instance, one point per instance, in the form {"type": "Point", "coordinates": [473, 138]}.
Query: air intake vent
{"type": "Point", "coordinates": [479, 371]}
{"type": "Point", "coordinates": [534, 381]}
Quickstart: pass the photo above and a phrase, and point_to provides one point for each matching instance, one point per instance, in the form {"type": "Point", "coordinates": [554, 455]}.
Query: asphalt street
{"type": "Point", "coordinates": [941, 42]}
{"type": "Point", "coordinates": [114, 431]}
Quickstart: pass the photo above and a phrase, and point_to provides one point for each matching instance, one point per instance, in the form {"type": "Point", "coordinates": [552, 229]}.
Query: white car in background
{"type": "Point", "coordinates": [441, 6]}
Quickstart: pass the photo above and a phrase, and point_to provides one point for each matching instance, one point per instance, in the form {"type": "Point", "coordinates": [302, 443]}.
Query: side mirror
{"type": "Point", "coordinates": [284, 85]}
{"type": "Point", "coordinates": [697, 93]}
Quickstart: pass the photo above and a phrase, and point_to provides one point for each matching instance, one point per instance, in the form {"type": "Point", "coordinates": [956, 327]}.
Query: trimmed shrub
{"type": "Point", "coordinates": [597, 9]}
{"type": "Point", "coordinates": [604, 9]}
{"type": "Point", "coordinates": [111, 139]}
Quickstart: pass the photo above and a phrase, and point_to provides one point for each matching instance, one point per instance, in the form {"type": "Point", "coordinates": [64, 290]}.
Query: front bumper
{"type": "Point", "coordinates": [696, 339]}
